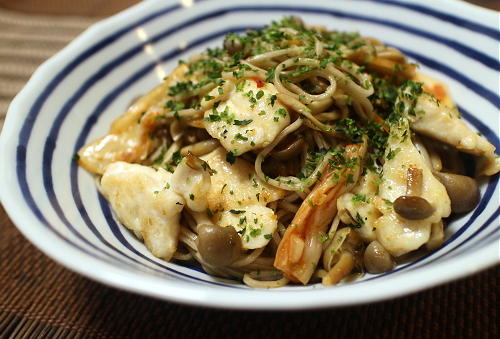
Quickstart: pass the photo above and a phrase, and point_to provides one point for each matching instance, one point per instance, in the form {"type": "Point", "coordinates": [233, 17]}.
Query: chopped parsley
{"type": "Point", "coordinates": [255, 232]}
{"type": "Point", "coordinates": [209, 212]}
{"type": "Point", "coordinates": [283, 112]}
{"type": "Point", "coordinates": [359, 219]}
{"type": "Point", "coordinates": [176, 157]}
{"type": "Point", "coordinates": [240, 136]}
{"type": "Point", "coordinates": [272, 99]}
{"type": "Point", "coordinates": [240, 86]}
{"type": "Point", "coordinates": [213, 118]}
{"type": "Point", "coordinates": [270, 75]}
{"type": "Point", "coordinates": [388, 203]}
{"type": "Point", "coordinates": [242, 122]}
{"type": "Point", "coordinates": [392, 153]}
{"type": "Point", "coordinates": [231, 157]}
{"type": "Point", "coordinates": [356, 198]}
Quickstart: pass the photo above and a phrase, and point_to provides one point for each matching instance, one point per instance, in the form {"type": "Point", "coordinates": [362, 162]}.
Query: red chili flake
{"type": "Point", "coordinates": [260, 83]}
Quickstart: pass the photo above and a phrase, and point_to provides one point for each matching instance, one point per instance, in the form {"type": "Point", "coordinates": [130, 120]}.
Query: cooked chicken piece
{"type": "Point", "coordinates": [129, 136]}
{"type": "Point", "coordinates": [251, 118]}
{"type": "Point", "coordinates": [255, 224]}
{"type": "Point", "coordinates": [442, 123]}
{"type": "Point", "coordinates": [193, 184]}
{"type": "Point", "coordinates": [359, 205]}
{"type": "Point", "coordinates": [397, 234]}
{"type": "Point", "coordinates": [238, 197]}
{"type": "Point", "coordinates": [144, 202]}
{"type": "Point", "coordinates": [236, 185]}
{"type": "Point", "coordinates": [401, 236]}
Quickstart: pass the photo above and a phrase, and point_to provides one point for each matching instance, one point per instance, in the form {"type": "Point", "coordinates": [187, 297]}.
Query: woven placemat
{"type": "Point", "coordinates": [39, 298]}
{"type": "Point", "coordinates": [25, 42]}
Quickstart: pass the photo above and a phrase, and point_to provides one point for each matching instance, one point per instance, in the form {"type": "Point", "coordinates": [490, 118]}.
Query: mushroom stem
{"type": "Point", "coordinates": [341, 269]}
{"type": "Point", "coordinates": [197, 164]}
{"type": "Point", "coordinates": [200, 148]}
{"type": "Point", "coordinates": [201, 218]}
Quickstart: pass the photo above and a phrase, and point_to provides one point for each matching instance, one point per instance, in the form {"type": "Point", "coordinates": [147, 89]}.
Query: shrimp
{"type": "Point", "coordinates": [300, 249]}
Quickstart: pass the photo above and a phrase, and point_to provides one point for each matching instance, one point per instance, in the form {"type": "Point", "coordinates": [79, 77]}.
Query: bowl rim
{"type": "Point", "coordinates": [179, 291]}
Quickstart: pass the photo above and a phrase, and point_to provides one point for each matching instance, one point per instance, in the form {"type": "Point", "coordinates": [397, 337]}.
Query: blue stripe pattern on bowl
{"type": "Point", "coordinates": [97, 233]}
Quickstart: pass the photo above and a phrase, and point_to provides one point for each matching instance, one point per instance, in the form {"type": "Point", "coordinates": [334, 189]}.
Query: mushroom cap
{"type": "Point", "coordinates": [218, 246]}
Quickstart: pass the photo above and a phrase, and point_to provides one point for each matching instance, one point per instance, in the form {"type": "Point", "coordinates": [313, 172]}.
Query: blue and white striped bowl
{"type": "Point", "coordinates": [74, 96]}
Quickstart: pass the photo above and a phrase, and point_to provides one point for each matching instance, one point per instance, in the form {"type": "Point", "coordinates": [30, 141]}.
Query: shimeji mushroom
{"type": "Point", "coordinates": [218, 246]}
{"type": "Point", "coordinates": [462, 190]}
{"type": "Point", "coordinates": [412, 206]}
{"type": "Point", "coordinates": [377, 259]}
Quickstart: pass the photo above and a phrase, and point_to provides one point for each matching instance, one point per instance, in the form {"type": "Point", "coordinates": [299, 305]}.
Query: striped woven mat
{"type": "Point", "coordinates": [25, 42]}
{"type": "Point", "coordinates": [41, 299]}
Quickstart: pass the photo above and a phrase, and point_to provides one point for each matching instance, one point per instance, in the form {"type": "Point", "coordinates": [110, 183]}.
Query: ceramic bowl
{"type": "Point", "coordinates": [72, 99]}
